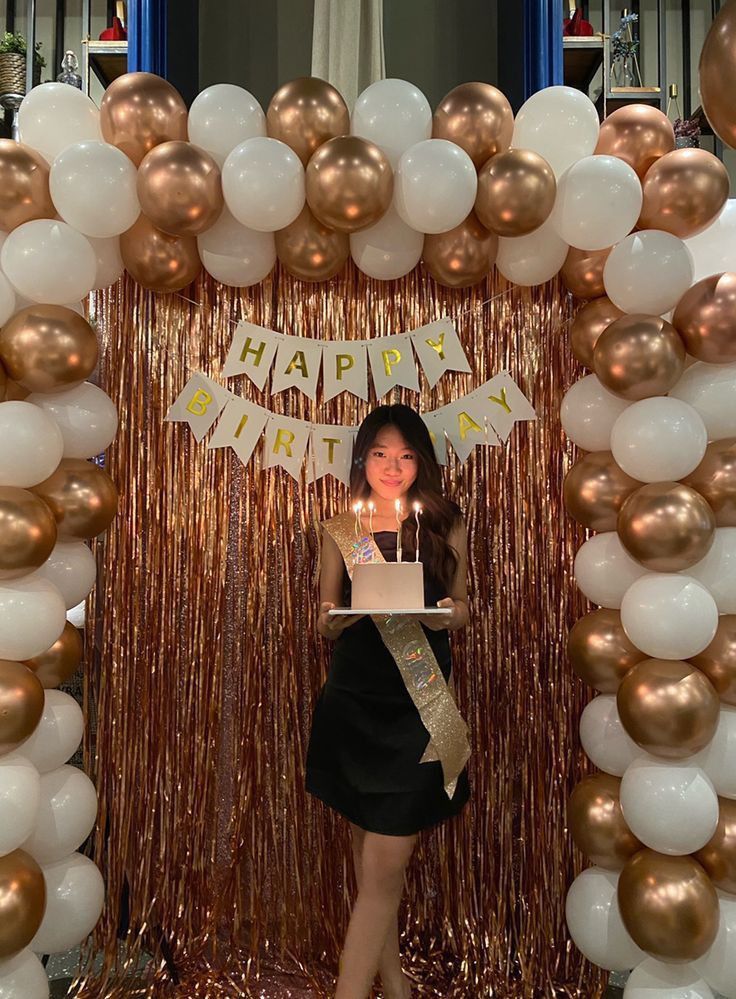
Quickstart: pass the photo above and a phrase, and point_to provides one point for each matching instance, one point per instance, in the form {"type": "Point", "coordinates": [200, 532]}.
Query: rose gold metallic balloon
{"type": "Point", "coordinates": [587, 326]}
{"type": "Point", "coordinates": [516, 192]}
{"type": "Point", "coordinates": [140, 110]}
{"type": "Point", "coordinates": [3, 384]}
{"type": "Point", "coordinates": [311, 251]}
{"type": "Point", "coordinates": [705, 318]}
{"type": "Point", "coordinates": [82, 497]}
{"type": "Point", "coordinates": [597, 823]}
{"type": "Point", "coordinates": [668, 707]}
{"type": "Point", "coordinates": [715, 480]}
{"type": "Point", "coordinates": [668, 905]}
{"type": "Point", "coordinates": [639, 356]}
{"type": "Point", "coordinates": [600, 651]}
{"type": "Point", "coordinates": [638, 135]}
{"type": "Point", "coordinates": [179, 188]}
{"type": "Point", "coordinates": [594, 490]}
{"type": "Point", "coordinates": [718, 74]}
{"type": "Point", "coordinates": [15, 391]}
{"type": "Point", "coordinates": [21, 704]}
{"type": "Point", "coordinates": [349, 183]}
{"type": "Point", "coordinates": [24, 185]}
{"type": "Point", "coordinates": [684, 192]}
{"type": "Point", "coordinates": [461, 257]}
{"type": "Point", "coordinates": [718, 856]}
{"type": "Point", "coordinates": [666, 526]}
{"type": "Point", "coordinates": [48, 347]}
{"type": "Point", "coordinates": [718, 660]}
{"type": "Point", "coordinates": [305, 113]}
{"type": "Point", "coordinates": [27, 532]}
{"type": "Point", "coordinates": [582, 272]}
{"type": "Point", "coordinates": [158, 261]}
{"type": "Point", "coordinates": [22, 901]}
{"type": "Point", "coordinates": [61, 661]}
{"type": "Point", "coordinates": [478, 118]}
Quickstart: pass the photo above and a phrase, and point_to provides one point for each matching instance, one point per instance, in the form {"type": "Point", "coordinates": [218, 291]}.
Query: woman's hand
{"type": "Point", "coordinates": [331, 626]}
{"type": "Point", "coordinates": [438, 622]}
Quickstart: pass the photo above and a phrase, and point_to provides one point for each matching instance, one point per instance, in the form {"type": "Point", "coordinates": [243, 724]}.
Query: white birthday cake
{"type": "Point", "coordinates": [388, 586]}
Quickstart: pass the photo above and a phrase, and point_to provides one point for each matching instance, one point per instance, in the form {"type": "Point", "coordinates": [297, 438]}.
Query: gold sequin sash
{"type": "Point", "coordinates": [412, 653]}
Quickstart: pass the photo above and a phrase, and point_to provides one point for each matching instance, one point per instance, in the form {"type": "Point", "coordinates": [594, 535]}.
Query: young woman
{"type": "Point", "coordinates": [367, 736]}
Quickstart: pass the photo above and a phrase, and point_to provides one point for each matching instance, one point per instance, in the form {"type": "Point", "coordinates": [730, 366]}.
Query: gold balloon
{"type": "Point", "coordinates": [597, 824]}
{"type": "Point", "coordinates": [311, 251]}
{"type": "Point", "coordinates": [594, 490]}
{"type": "Point", "coordinates": [718, 74]}
{"type": "Point", "coordinates": [179, 188]}
{"type": "Point", "coordinates": [718, 856]}
{"type": "Point", "coordinates": [305, 113]}
{"type": "Point", "coordinates": [718, 660]}
{"type": "Point", "coordinates": [684, 192]}
{"type": "Point", "coordinates": [705, 318]}
{"type": "Point", "coordinates": [588, 324]}
{"type": "Point", "coordinates": [715, 480]}
{"type": "Point", "coordinates": [21, 704]}
{"type": "Point", "coordinates": [349, 183]}
{"type": "Point", "coordinates": [158, 261]}
{"type": "Point", "coordinates": [668, 707]}
{"type": "Point", "coordinates": [3, 384]}
{"type": "Point", "coordinates": [24, 185]}
{"type": "Point", "coordinates": [22, 901]}
{"type": "Point", "coordinates": [15, 391]}
{"type": "Point", "coordinates": [516, 192]}
{"type": "Point", "coordinates": [582, 272]}
{"type": "Point", "coordinates": [638, 135]}
{"type": "Point", "coordinates": [478, 118]}
{"type": "Point", "coordinates": [82, 497]}
{"type": "Point", "coordinates": [61, 661]}
{"type": "Point", "coordinates": [666, 526]}
{"type": "Point", "coordinates": [639, 356]}
{"type": "Point", "coordinates": [140, 110]}
{"type": "Point", "coordinates": [27, 532]}
{"type": "Point", "coordinates": [45, 348]}
{"type": "Point", "coordinates": [668, 905]}
{"type": "Point", "coordinates": [461, 257]}
{"type": "Point", "coordinates": [600, 651]}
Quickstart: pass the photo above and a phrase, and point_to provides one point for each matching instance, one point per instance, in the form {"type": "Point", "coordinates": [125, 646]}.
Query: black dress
{"type": "Point", "coordinates": [367, 737]}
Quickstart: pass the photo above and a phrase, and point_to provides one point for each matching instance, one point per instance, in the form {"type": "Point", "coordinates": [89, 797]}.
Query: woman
{"type": "Point", "coordinates": [368, 736]}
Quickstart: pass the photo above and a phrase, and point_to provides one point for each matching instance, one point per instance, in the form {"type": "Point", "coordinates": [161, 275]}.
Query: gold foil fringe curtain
{"type": "Point", "coordinates": [203, 664]}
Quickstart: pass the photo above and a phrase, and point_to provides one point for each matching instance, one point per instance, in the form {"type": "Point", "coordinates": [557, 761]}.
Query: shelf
{"type": "Point", "coordinates": [107, 60]}
{"type": "Point", "coordinates": [583, 56]}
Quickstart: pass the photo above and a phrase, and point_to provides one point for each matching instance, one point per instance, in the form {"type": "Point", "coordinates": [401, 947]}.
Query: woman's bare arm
{"type": "Point", "coordinates": [330, 590]}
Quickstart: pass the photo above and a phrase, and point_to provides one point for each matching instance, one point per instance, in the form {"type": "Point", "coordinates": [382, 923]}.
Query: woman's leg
{"type": "Point", "coordinates": [383, 862]}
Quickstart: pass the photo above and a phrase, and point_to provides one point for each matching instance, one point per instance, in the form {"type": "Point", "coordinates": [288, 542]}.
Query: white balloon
{"type": "Point", "coordinates": [66, 815]}
{"type": "Point", "coordinates": [20, 791]}
{"type": "Point", "coordinates": [531, 259]}
{"type": "Point", "coordinates": [235, 255]}
{"type": "Point", "coordinates": [75, 893]}
{"type": "Point", "coordinates": [71, 567]}
{"type": "Point", "coordinates": [387, 250]}
{"type": "Point", "coordinates": [263, 184]}
{"type": "Point", "coordinates": [560, 123]}
{"type": "Point", "coordinates": [23, 976]}
{"type": "Point", "coordinates": [58, 735]}
{"type": "Point", "coordinates": [714, 249]}
{"type": "Point", "coordinates": [109, 264]}
{"type": "Point", "coordinates": [49, 262]}
{"type": "Point", "coordinates": [394, 114]}
{"type": "Point", "coordinates": [718, 964]}
{"type": "Point", "coordinates": [222, 117]}
{"type": "Point", "coordinates": [54, 116]}
{"type": "Point", "coordinates": [711, 390]}
{"type": "Point", "coordinates": [93, 186]}
{"type": "Point", "coordinates": [435, 186]}
{"type": "Point", "coordinates": [659, 439]}
{"type": "Point", "coordinates": [7, 299]}
{"type": "Point", "coordinates": [718, 759]}
{"type": "Point", "coordinates": [669, 615]}
{"type": "Point", "coordinates": [717, 571]}
{"type": "Point", "coordinates": [32, 616]}
{"type": "Point", "coordinates": [594, 921]}
{"type": "Point", "coordinates": [656, 980]}
{"type": "Point", "coordinates": [31, 445]}
{"type": "Point", "coordinates": [588, 413]}
{"type": "Point", "coordinates": [598, 202]}
{"type": "Point", "coordinates": [86, 416]}
{"type": "Point", "coordinates": [76, 616]}
{"type": "Point", "coordinates": [604, 570]}
{"type": "Point", "coordinates": [648, 271]}
{"type": "Point", "coordinates": [603, 737]}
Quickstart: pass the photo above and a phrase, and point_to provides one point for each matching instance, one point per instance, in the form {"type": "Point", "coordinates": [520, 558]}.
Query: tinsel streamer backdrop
{"type": "Point", "coordinates": [205, 665]}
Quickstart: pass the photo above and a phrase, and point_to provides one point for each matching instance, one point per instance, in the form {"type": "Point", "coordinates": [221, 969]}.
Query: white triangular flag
{"type": "Point", "coordinates": [437, 433]}
{"type": "Point", "coordinates": [330, 452]}
{"type": "Point", "coordinates": [240, 427]}
{"type": "Point", "coordinates": [285, 444]}
{"type": "Point", "coordinates": [392, 363]}
{"type": "Point", "coordinates": [503, 403]}
{"type": "Point", "coordinates": [465, 426]}
{"type": "Point", "coordinates": [344, 368]}
{"type": "Point", "coordinates": [199, 404]}
{"type": "Point", "coordinates": [297, 364]}
{"type": "Point", "coordinates": [251, 353]}
{"type": "Point", "coordinates": [439, 350]}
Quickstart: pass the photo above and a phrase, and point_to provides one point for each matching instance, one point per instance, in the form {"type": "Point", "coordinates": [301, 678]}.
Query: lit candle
{"type": "Point", "coordinates": [357, 507]}
{"type": "Point", "coordinates": [417, 512]}
{"type": "Point", "coordinates": [371, 508]}
{"type": "Point", "coordinates": [397, 506]}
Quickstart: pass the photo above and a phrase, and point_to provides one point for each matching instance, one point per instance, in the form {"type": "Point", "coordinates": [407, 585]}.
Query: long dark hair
{"type": "Point", "coordinates": [439, 515]}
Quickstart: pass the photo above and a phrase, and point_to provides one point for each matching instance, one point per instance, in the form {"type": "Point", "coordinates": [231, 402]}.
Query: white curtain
{"type": "Point", "coordinates": [347, 45]}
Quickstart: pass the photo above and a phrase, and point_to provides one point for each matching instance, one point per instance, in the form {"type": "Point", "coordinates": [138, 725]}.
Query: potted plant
{"type": "Point", "coordinates": [13, 53]}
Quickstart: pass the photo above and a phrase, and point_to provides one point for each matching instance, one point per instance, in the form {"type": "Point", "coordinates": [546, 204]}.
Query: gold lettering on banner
{"type": "Point", "coordinates": [465, 424]}
{"type": "Point", "coordinates": [256, 351]}
{"type": "Point", "coordinates": [298, 362]}
{"type": "Point", "coordinates": [501, 401]}
{"type": "Point", "coordinates": [330, 442]}
{"type": "Point", "coordinates": [391, 358]}
{"type": "Point", "coordinates": [438, 345]}
{"type": "Point", "coordinates": [199, 402]}
{"type": "Point", "coordinates": [241, 425]}
{"type": "Point", "coordinates": [284, 439]}
{"type": "Point", "coordinates": [341, 367]}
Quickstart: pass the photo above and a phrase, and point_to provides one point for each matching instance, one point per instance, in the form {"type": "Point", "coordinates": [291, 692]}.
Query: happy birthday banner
{"type": "Point", "coordinates": [485, 416]}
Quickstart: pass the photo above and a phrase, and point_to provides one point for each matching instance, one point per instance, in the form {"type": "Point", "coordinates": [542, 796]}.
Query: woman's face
{"type": "Point", "coordinates": [390, 465]}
